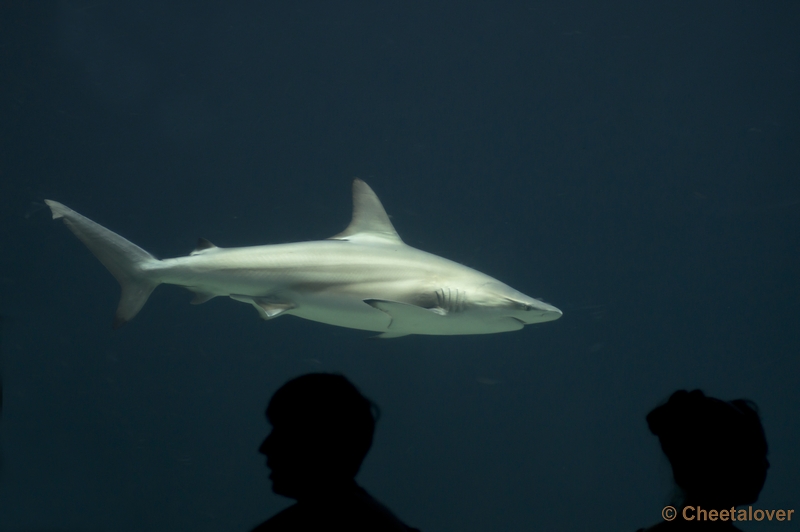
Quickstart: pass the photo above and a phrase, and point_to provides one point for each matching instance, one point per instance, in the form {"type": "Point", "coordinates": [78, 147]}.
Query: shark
{"type": "Point", "coordinates": [364, 278]}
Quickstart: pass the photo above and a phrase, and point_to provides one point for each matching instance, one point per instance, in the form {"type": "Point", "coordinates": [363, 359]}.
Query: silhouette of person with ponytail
{"type": "Point", "coordinates": [322, 428]}
{"type": "Point", "coordinates": [718, 453]}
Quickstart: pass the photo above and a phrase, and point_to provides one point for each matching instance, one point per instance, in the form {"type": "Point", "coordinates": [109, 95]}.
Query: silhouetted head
{"type": "Point", "coordinates": [322, 428]}
{"type": "Point", "coordinates": [717, 449]}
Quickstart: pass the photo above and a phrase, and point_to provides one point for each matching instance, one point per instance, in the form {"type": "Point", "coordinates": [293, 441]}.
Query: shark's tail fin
{"type": "Point", "coordinates": [125, 260]}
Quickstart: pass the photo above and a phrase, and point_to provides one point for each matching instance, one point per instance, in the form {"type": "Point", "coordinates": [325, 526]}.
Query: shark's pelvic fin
{"type": "Point", "coordinates": [266, 309]}
{"type": "Point", "coordinates": [124, 259]}
{"type": "Point", "coordinates": [370, 221]}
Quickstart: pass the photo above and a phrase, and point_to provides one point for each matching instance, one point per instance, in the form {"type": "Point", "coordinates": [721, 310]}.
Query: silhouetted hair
{"type": "Point", "coordinates": [330, 413]}
{"type": "Point", "coordinates": [717, 449]}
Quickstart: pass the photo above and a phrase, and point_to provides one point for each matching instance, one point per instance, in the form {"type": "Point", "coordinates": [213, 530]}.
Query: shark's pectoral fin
{"type": "Point", "coordinates": [266, 309]}
{"type": "Point", "coordinates": [405, 316]}
{"type": "Point", "coordinates": [397, 309]}
{"type": "Point", "coordinates": [391, 334]}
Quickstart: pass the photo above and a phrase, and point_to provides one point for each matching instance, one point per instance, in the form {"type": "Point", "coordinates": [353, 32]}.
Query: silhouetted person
{"type": "Point", "coordinates": [718, 454]}
{"type": "Point", "coordinates": [322, 428]}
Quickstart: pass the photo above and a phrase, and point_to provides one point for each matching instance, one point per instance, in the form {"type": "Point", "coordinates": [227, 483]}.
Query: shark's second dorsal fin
{"type": "Point", "coordinates": [369, 218]}
{"type": "Point", "coordinates": [202, 245]}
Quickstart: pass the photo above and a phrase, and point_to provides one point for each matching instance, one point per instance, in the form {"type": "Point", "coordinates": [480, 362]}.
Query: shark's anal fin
{"type": "Point", "coordinates": [201, 297]}
{"type": "Point", "coordinates": [266, 309]}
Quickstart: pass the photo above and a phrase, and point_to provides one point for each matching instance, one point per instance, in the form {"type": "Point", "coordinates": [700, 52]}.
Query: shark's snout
{"type": "Point", "coordinates": [538, 311]}
{"type": "Point", "coordinates": [548, 315]}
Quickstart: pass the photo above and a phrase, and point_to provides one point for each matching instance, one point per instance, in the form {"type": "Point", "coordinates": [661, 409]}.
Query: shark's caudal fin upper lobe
{"type": "Point", "coordinates": [124, 259]}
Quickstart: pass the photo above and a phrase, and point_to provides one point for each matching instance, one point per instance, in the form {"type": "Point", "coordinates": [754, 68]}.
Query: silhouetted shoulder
{"type": "Point", "coordinates": [354, 510]}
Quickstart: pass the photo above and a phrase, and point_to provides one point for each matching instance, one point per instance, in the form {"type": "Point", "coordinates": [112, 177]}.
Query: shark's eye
{"type": "Point", "coordinates": [520, 305]}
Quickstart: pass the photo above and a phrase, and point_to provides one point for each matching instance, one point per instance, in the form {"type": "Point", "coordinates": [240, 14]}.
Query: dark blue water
{"type": "Point", "coordinates": [635, 165]}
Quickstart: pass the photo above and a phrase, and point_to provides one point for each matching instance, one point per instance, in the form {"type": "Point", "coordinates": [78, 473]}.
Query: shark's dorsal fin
{"type": "Point", "coordinates": [202, 245]}
{"type": "Point", "coordinates": [370, 220]}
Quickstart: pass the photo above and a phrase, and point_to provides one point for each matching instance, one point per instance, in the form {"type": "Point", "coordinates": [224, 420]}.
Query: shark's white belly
{"type": "Point", "coordinates": [399, 318]}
